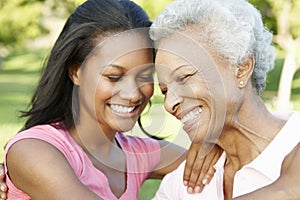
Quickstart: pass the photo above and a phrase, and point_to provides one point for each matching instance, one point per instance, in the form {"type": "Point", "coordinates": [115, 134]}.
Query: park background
{"type": "Point", "coordinates": [29, 29]}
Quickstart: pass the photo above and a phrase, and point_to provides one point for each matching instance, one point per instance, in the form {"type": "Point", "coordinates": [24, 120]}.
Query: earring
{"type": "Point", "coordinates": [241, 83]}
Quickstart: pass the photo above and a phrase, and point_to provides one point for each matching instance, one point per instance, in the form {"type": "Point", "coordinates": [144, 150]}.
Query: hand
{"type": "Point", "coordinates": [199, 169]}
{"type": "Point", "coordinates": [3, 186]}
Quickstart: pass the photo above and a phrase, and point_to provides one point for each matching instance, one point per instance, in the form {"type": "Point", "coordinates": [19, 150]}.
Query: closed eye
{"type": "Point", "coordinates": [114, 78]}
{"type": "Point", "coordinates": [183, 78]}
{"type": "Point", "coordinates": [145, 77]}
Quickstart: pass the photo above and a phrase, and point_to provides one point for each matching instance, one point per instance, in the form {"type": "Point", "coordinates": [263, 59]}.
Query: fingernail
{"type": "Point", "coordinates": [190, 190]}
{"type": "Point", "coordinates": [205, 181]}
{"type": "Point", "coordinates": [185, 183]}
{"type": "Point", "coordinates": [2, 188]}
{"type": "Point", "coordinates": [198, 189]}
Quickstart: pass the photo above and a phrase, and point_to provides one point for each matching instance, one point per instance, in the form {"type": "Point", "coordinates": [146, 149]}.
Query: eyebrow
{"type": "Point", "coordinates": [178, 68]}
{"type": "Point", "coordinates": [117, 66]}
{"type": "Point", "coordinates": [123, 69]}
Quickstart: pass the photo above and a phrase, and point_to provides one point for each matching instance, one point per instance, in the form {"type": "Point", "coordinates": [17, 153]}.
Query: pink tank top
{"type": "Point", "coordinates": [142, 156]}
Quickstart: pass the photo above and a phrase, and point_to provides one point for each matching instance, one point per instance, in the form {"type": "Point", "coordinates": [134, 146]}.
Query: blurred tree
{"type": "Point", "coordinates": [282, 16]}
{"type": "Point", "coordinates": [65, 7]}
{"type": "Point", "coordinates": [288, 38]}
{"type": "Point", "coordinates": [153, 7]}
{"type": "Point", "coordinates": [21, 20]}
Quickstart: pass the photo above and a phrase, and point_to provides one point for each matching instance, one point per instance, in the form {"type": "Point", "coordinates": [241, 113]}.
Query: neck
{"type": "Point", "coordinates": [249, 132]}
{"type": "Point", "coordinates": [101, 150]}
{"type": "Point", "coordinates": [92, 139]}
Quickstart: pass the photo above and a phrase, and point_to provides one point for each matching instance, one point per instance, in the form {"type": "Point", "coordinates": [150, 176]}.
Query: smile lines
{"type": "Point", "coordinates": [191, 115]}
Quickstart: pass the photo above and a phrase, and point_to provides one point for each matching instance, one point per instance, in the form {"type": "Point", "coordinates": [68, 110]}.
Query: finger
{"type": "Point", "coordinates": [211, 170]}
{"type": "Point", "coordinates": [202, 172]}
{"type": "Point", "coordinates": [2, 173]}
{"type": "Point", "coordinates": [3, 187]}
{"type": "Point", "coordinates": [3, 195]}
{"type": "Point", "coordinates": [3, 190]}
{"type": "Point", "coordinates": [197, 174]}
{"type": "Point", "coordinates": [190, 159]}
{"type": "Point", "coordinates": [207, 178]}
{"type": "Point", "coordinates": [203, 169]}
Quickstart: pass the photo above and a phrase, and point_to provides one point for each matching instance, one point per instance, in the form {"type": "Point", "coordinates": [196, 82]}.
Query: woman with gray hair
{"type": "Point", "coordinates": [212, 60]}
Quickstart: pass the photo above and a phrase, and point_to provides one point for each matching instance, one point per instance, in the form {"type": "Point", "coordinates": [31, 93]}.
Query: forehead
{"type": "Point", "coordinates": [130, 46]}
{"type": "Point", "coordinates": [183, 49]}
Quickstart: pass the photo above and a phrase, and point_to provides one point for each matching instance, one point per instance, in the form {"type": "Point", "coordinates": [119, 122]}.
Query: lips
{"type": "Point", "coordinates": [124, 111]}
{"type": "Point", "coordinates": [191, 115]}
{"type": "Point", "coordinates": [189, 118]}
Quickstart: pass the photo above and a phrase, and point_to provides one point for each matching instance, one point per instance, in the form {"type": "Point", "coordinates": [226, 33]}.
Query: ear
{"type": "Point", "coordinates": [74, 74]}
{"type": "Point", "coordinates": [244, 71]}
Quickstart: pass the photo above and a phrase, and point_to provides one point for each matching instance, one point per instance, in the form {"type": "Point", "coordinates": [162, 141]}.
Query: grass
{"type": "Point", "coordinates": [19, 73]}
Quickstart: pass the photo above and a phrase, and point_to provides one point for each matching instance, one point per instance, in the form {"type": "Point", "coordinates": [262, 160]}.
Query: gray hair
{"type": "Point", "coordinates": [233, 29]}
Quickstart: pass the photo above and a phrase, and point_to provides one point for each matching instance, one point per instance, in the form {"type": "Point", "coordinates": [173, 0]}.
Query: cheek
{"type": "Point", "coordinates": [147, 90]}
{"type": "Point", "coordinates": [104, 90]}
{"type": "Point", "coordinates": [197, 89]}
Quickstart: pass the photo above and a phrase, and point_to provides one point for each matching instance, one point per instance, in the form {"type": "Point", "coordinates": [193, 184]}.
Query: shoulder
{"type": "Point", "coordinates": [46, 133]}
{"type": "Point", "coordinates": [39, 169]}
{"type": "Point", "coordinates": [35, 157]}
{"type": "Point", "coordinates": [171, 186]}
{"type": "Point", "coordinates": [43, 132]}
{"type": "Point", "coordinates": [291, 162]}
{"type": "Point", "coordinates": [143, 145]}
{"type": "Point", "coordinates": [42, 140]}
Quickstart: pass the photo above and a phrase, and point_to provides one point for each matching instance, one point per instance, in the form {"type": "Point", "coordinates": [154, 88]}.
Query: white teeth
{"type": "Point", "coordinates": [191, 115]}
{"type": "Point", "coordinates": [122, 109]}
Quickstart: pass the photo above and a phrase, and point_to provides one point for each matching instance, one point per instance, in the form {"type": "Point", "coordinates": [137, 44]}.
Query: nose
{"type": "Point", "coordinates": [172, 102]}
{"type": "Point", "coordinates": [130, 91]}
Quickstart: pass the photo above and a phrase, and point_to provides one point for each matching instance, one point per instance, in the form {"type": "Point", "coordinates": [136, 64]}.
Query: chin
{"type": "Point", "coordinates": [125, 127]}
{"type": "Point", "coordinates": [195, 138]}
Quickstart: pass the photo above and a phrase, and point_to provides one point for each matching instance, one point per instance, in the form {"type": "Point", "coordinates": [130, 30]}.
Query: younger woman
{"type": "Point", "coordinates": [97, 81]}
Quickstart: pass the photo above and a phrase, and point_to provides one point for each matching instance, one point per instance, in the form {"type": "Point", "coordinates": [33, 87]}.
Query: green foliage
{"type": "Point", "coordinates": [293, 18]}
{"type": "Point", "coordinates": [19, 20]}
{"type": "Point", "coordinates": [18, 74]}
{"type": "Point", "coordinates": [153, 7]}
{"type": "Point", "coordinates": [267, 13]}
{"type": "Point", "coordinates": [148, 189]}
{"type": "Point", "coordinates": [66, 7]}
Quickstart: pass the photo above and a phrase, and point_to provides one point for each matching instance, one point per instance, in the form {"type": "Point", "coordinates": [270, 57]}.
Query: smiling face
{"type": "Point", "coordinates": [193, 84]}
{"type": "Point", "coordinates": [116, 83]}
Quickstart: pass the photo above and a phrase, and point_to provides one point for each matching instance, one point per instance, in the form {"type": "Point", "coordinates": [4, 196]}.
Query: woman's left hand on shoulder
{"type": "Point", "coordinates": [200, 170]}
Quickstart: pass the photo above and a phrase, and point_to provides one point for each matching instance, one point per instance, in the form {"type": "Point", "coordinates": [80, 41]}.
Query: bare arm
{"type": "Point", "coordinates": [198, 170]}
{"type": "Point", "coordinates": [40, 170]}
{"type": "Point", "coordinates": [171, 157]}
{"type": "Point", "coordinates": [286, 187]}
